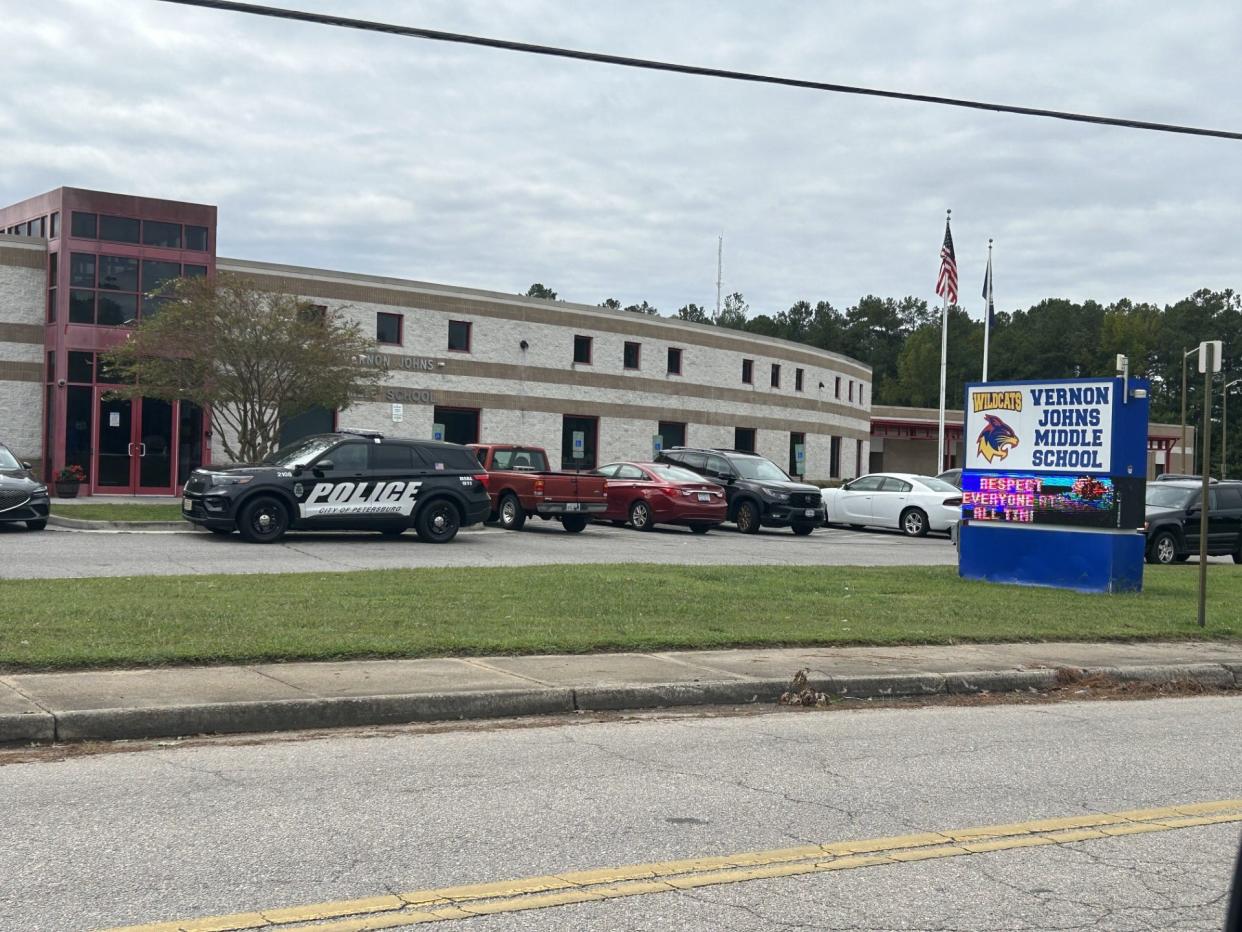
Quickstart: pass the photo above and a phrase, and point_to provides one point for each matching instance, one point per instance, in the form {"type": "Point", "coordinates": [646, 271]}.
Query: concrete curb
{"type": "Point", "coordinates": [79, 524]}
{"type": "Point", "coordinates": [342, 712]}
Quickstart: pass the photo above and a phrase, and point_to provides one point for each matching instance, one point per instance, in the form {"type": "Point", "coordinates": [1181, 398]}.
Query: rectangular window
{"type": "Point", "coordinates": [461, 425]}
{"type": "Point", "coordinates": [582, 350]}
{"type": "Point", "coordinates": [632, 355]}
{"type": "Point", "coordinates": [834, 458]}
{"type": "Point", "coordinates": [797, 467]}
{"type": "Point", "coordinates": [120, 229]}
{"type": "Point", "coordinates": [459, 335]}
{"type": "Point", "coordinates": [118, 273]}
{"type": "Point", "coordinates": [55, 231]}
{"type": "Point", "coordinates": [860, 391]}
{"type": "Point", "coordinates": [395, 456]}
{"type": "Point", "coordinates": [117, 310]}
{"type": "Point", "coordinates": [35, 227]}
{"type": "Point", "coordinates": [81, 367]}
{"type": "Point", "coordinates": [579, 436]}
{"type": "Point", "coordinates": [744, 439]}
{"type": "Point", "coordinates": [53, 273]}
{"type": "Point", "coordinates": [776, 376]}
{"type": "Point", "coordinates": [81, 307]}
{"type": "Point", "coordinates": [155, 274]}
{"type": "Point", "coordinates": [81, 270]}
{"type": "Point", "coordinates": [196, 238]}
{"type": "Point", "coordinates": [194, 271]}
{"type": "Point", "coordinates": [748, 372]}
{"type": "Point", "coordinates": [837, 387]}
{"type": "Point", "coordinates": [674, 361]}
{"type": "Point", "coordinates": [673, 433]}
{"type": "Point", "coordinates": [851, 389]}
{"type": "Point", "coordinates": [83, 225]}
{"type": "Point", "coordinates": [159, 233]}
{"type": "Point", "coordinates": [798, 373]}
{"type": "Point", "coordinates": [51, 366]}
{"type": "Point", "coordinates": [388, 328]}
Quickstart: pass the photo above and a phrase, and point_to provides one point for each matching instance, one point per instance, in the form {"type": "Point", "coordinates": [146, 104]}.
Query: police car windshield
{"type": "Point", "coordinates": [300, 452]}
{"type": "Point", "coordinates": [1167, 496]}
{"type": "Point", "coordinates": [759, 469]}
{"type": "Point", "coordinates": [7, 460]}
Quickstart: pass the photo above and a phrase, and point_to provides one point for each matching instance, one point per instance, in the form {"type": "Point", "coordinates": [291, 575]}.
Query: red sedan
{"type": "Point", "coordinates": [647, 494]}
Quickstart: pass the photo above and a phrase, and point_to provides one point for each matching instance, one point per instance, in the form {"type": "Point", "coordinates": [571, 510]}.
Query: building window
{"type": "Point", "coordinates": [81, 367]}
{"type": "Point", "coordinates": [459, 336]}
{"type": "Point", "coordinates": [160, 233]}
{"type": "Point", "coordinates": [582, 350]}
{"type": "Point", "coordinates": [55, 231]}
{"type": "Point", "coordinates": [834, 458]}
{"type": "Point", "coordinates": [776, 376]}
{"type": "Point", "coordinates": [83, 225]}
{"type": "Point", "coordinates": [118, 273]}
{"type": "Point", "coordinates": [837, 387]}
{"type": "Point", "coordinates": [81, 270]}
{"type": "Point", "coordinates": [797, 440]}
{"type": "Point", "coordinates": [120, 229]}
{"type": "Point", "coordinates": [632, 355]}
{"type": "Point", "coordinates": [672, 433]}
{"type": "Point", "coordinates": [53, 273]}
{"type": "Point", "coordinates": [851, 390]}
{"type": "Point", "coordinates": [194, 271]}
{"type": "Point", "coordinates": [81, 307]}
{"type": "Point", "coordinates": [461, 425]}
{"type": "Point", "coordinates": [35, 228]}
{"type": "Point", "coordinates": [860, 391]}
{"type": "Point", "coordinates": [117, 310]}
{"type": "Point", "coordinates": [196, 238]}
{"type": "Point", "coordinates": [744, 439]}
{"type": "Point", "coordinates": [674, 361]}
{"type": "Point", "coordinates": [748, 372]}
{"type": "Point", "coordinates": [388, 328]}
{"type": "Point", "coordinates": [798, 373]}
{"type": "Point", "coordinates": [155, 274]}
{"type": "Point", "coordinates": [579, 441]}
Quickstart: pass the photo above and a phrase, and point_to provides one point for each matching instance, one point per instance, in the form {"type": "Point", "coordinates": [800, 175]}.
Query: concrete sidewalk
{"type": "Point", "coordinates": [280, 697]}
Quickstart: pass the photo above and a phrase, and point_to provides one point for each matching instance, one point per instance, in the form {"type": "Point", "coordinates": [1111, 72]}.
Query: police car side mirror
{"type": "Point", "coordinates": [325, 466]}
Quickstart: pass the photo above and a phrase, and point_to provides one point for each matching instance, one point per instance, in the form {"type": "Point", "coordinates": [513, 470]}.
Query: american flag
{"type": "Point", "coordinates": [946, 281]}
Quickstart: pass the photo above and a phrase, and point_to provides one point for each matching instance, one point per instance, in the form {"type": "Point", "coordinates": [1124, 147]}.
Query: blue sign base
{"type": "Point", "coordinates": [1086, 560]}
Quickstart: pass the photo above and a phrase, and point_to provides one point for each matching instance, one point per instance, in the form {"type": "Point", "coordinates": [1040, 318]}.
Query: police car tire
{"type": "Point", "coordinates": [442, 510]}
{"type": "Point", "coordinates": [509, 513]}
{"type": "Point", "coordinates": [574, 524]}
{"type": "Point", "coordinates": [914, 522]}
{"type": "Point", "coordinates": [249, 525]}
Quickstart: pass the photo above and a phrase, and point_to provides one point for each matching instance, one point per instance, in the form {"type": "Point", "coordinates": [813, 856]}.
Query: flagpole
{"type": "Point", "coordinates": [944, 368]}
{"type": "Point", "coordinates": [987, 314]}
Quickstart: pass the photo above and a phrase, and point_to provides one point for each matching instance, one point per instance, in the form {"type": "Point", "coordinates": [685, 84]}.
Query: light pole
{"type": "Point", "coordinates": [1224, 427]}
{"type": "Point", "coordinates": [1186, 354]}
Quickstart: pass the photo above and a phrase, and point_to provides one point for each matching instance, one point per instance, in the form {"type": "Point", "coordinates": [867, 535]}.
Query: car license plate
{"type": "Point", "coordinates": [185, 505]}
{"type": "Point", "coordinates": [571, 506]}
{"type": "Point", "coordinates": [705, 496]}
{"type": "Point", "coordinates": [810, 512]}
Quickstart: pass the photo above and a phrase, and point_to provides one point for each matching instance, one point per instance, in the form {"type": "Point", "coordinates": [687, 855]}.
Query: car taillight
{"type": "Point", "coordinates": [669, 490]}
{"type": "Point", "coordinates": [538, 486]}
{"type": "Point", "coordinates": [953, 502]}
{"type": "Point", "coordinates": [482, 478]}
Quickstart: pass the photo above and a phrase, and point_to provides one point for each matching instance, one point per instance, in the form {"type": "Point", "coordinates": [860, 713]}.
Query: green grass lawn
{"type": "Point", "coordinates": [63, 624]}
{"type": "Point", "coordinates": [119, 512]}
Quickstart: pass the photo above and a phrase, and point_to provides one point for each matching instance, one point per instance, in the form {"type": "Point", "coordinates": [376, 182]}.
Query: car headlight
{"type": "Point", "coordinates": [777, 496]}
{"type": "Point", "coordinates": [39, 490]}
{"type": "Point", "coordinates": [219, 478]}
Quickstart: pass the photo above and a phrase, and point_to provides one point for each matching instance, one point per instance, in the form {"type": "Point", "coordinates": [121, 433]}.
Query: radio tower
{"type": "Point", "coordinates": [719, 268]}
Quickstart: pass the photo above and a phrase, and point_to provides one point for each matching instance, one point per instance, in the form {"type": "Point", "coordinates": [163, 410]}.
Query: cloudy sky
{"type": "Point", "coordinates": [375, 154]}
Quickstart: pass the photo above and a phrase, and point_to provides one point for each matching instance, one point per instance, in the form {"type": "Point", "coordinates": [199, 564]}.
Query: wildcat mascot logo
{"type": "Point", "coordinates": [996, 439]}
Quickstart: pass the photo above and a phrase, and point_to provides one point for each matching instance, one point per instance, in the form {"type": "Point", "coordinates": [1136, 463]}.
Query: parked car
{"type": "Point", "coordinates": [348, 480]}
{"type": "Point", "coordinates": [522, 486]}
{"type": "Point", "coordinates": [1175, 516]}
{"type": "Point", "coordinates": [647, 494]}
{"type": "Point", "coordinates": [23, 498]}
{"type": "Point", "coordinates": [757, 491]}
{"type": "Point", "coordinates": [911, 503]}
{"type": "Point", "coordinates": [951, 476]}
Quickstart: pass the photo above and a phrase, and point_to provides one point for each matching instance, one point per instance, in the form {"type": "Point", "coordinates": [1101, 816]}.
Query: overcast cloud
{"type": "Point", "coordinates": [489, 169]}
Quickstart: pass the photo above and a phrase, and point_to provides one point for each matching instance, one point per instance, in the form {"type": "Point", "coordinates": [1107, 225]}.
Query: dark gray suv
{"type": "Point", "coordinates": [23, 498]}
{"type": "Point", "coordinates": [759, 493]}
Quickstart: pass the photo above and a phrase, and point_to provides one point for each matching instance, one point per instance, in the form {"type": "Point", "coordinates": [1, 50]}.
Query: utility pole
{"type": "Point", "coordinates": [1224, 428]}
{"type": "Point", "coordinates": [1209, 362]}
{"type": "Point", "coordinates": [720, 275]}
{"type": "Point", "coordinates": [1186, 354]}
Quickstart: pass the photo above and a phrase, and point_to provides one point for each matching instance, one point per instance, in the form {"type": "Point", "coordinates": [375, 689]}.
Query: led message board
{"type": "Point", "coordinates": [1030, 498]}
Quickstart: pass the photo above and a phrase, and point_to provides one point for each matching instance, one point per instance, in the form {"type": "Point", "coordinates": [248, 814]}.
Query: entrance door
{"type": "Point", "coordinates": [135, 450]}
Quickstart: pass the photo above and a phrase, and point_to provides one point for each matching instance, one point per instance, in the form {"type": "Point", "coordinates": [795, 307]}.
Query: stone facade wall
{"type": "Point", "coordinates": [522, 393]}
{"type": "Point", "coordinates": [23, 272]}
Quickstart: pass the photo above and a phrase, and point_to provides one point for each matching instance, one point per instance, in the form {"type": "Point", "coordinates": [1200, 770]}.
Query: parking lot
{"type": "Point", "coordinates": [61, 553]}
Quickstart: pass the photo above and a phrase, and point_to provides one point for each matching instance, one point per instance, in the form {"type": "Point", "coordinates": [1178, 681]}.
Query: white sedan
{"type": "Point", "coordinates": [913, 504]}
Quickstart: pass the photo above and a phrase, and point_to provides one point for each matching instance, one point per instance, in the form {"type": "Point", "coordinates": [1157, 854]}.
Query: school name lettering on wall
{"type": "Point", "coordinates": [389, 361]}
{"type": "Point", "coordinates": [1052, 427]}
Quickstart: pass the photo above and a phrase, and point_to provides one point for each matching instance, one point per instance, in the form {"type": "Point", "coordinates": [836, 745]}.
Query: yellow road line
{"type": "Point", "coordinates": [448, 903]}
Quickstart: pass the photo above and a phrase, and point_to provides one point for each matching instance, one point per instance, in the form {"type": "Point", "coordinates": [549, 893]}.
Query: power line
{"type": "Point", "coordinates": [650, 65]}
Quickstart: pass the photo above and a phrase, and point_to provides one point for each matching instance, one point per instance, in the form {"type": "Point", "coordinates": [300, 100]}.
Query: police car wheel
{"type": "Point", "coordinates": [510, 513]}
{"type": "Point", "coordinates": [914, 523]}
{"type": "Point", "coordinates": [438, 522]}
{"type": "Point", "coordinates": [263, 520]}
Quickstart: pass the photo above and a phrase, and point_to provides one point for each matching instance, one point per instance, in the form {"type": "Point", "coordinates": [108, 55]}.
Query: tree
{"type": "Point", "coordinates": [733, 314]}
{"type": "Point", "coordinates": [918, 365]}
{"type": "Point", "coordinates": [694, 314]}
{"type": "Point", "coordinates": [254, 357]}
{"type": "Point", "coordinates": [539, 290]}
{"type": "Point", "coordinates": [643, 308]}
{"type": "Point", "coordinates": [763, 325]}
{"type": "Point", "coordinates": [611, 303]}
{"type": "Point", "coordinates": [795, 323]}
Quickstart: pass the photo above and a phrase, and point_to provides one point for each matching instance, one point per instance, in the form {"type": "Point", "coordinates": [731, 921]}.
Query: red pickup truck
{"type": "Point", "coordinates": [522, 485]}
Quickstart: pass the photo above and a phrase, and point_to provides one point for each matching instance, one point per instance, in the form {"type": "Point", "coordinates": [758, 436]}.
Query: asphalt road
{"type": "Point", "coordinates": [184, 832]}
{"type": "Point", "coordinates": [64, 553]}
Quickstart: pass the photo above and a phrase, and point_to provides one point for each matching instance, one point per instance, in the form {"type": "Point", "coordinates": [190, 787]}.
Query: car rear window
{"type": "Point", "coordinates": [534, 460]}
{"type": "Point", "coordinates": [695, 460]}
{"type": "Point", "coordinates": [1229, 496]}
